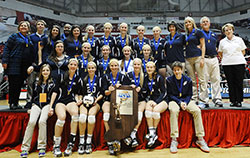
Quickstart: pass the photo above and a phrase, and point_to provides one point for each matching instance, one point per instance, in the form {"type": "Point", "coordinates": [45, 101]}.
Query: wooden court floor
{"type": "Point", "coordinates": [234, 152]}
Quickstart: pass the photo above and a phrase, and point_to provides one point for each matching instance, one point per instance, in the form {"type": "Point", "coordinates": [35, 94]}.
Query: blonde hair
{"type": "Point", "coordinates": [141, 72]}
{"type": "Point", "coordinates": [227, 25]}
{"type": "Point", "coordinates": [123, 60]}
{"type": "Point", "coordinates": [87, 35]}
{"type": "Point", "coordinates": [107, 46]}
{"type": "Point", "coordinates": [90, 57]}
{"type": "Point", "coordinates": [73, 59]}
{"type": "Point", "coordinates": [156, 27]}
{"type": "Point", "coordinates": [113, 60]}
{"type": "Point", "coordinates": [140, 26]}
{"type": "Point", "coordinates": [188, 18]}
{"type": "Point", "coordinates": [108, 24]}
{"type": "Point", "coordinates": [91, 62]}
{"type": "Point", "coordinates": [155, 73]}
{"type": "Point", "coordinates": [146, 46]}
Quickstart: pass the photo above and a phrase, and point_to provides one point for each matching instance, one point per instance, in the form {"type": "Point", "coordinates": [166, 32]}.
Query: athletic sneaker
{"type": "Point", "coordinates": [111, 149]}
{"type": "Point", "coordinates": [24, 153]}
{"type": "Point", "coordinates": [202, 145]}
{"type": "Point", "coordinates": [81, 149]}
{"type": "Point", "coordinates": [57, 152]}
{"type": "Point", "coordinates": [173, 147]}
{"type": "Point", "coordinates": [128, 140]}
{"type": "Point", "coordinates": [41, 153]}
{"type": "Point", "coordinates": [117, 146]}
{"type": "Point", "coordinates": [134, 143]}
{"type": "Point", "coordinates": [88, 149]}
{"type": "Point", "coordinates": [147, 136]}
{"type": "Point", "coordinates": [152, 140]}
{"type": "Point", "coordinates": [68, 150]}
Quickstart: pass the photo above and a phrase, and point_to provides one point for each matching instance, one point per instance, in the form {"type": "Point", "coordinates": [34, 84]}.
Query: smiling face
{"type": "Point", "coordinates": [127, 52]}
{"type": "Point", "coordinates": [140, 30]}
{"type": "Point", "coordinates": [91, 31]}
{"type": "Point", "coordinates": [86, 48]}
{"type": "Point", "coordinates": [188, 24]}
{"type": "Point", "coordinates": [23, 27]}
{"type": "Point", "coordinates": [67, 29]}
{"type": "Point", "coordinates": [105, 51]}
{"type": "Point", "coordinates": [73, 64]}
{"type": "Point", "coordinates": [150, 67]}
{"type": "Point", "coordinates": [205, 24]}
{"type": "Point", "coordinates": [54, 32]}
{"type": "Point", "coordinates": [146, 51]}
{"type": "Point", "coordinates": [123, 28]}
{"type": "Point", "coordinates": [45, 72]}
{"type": "Point", "coordinates": [172, 29]}
{"type": "Point", "coordinates": [59, 49]}
{"type": "Point", "coordinates": [91, 68]}
{"type": "Point", "coordinates": [107, 28]}
{"type": "Point", "coordinates": [76, 32]}
{"type": "Point", "coordinates": [114, 67]}
{"type": "Point", "coordinates": [137, 65]}
{"type": "Point", "coordinates": [156, 31]}
{"type": "Point", "coordinates": [228, 31]}
{"type": "Point", "coordinates": [40, 26]}
{"type": "Point", "coordinates": [177, 72]}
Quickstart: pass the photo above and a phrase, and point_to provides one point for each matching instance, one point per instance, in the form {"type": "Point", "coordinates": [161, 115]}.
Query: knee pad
{"type": "Point", "coordinates": [139, 116]}
{"type": "Point", "coordinates": [156, 115]}
{"type": "Point", "coordinates": [60, 123]}
{"type": "Point", "coordinates": [74, 118]}
{"type": "Point", "coordinates": [82, 118]}
{"type": "Point", "coordinates": [91, 119]}
{"type": "Point", "coordinates": [106, 116]}
{"type": "Point", "coordinates": [148, 114]}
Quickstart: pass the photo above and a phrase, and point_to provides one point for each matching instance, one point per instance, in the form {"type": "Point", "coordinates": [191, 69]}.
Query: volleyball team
{"type": "Point", "coordinates": [70, 73]}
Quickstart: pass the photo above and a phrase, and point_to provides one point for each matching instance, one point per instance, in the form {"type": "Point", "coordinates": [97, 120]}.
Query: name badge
{"type": "Point", "coordinates": [43, 97]}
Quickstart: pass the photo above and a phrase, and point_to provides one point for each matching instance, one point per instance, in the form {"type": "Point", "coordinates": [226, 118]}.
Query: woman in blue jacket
{"type": "Point", "coordinates": [18, 55]}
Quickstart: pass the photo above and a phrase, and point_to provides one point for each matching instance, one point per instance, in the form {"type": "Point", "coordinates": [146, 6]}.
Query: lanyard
{"type": "Point", "coordinates": [52, 43]}
{"type": "Point", "coordinates": [157, 45]}
{"type": "Point", "coordinates": [126, 66]}
{"type": "Point", "coordinates": [64, 37]}
{"type": "Point", "coordinates": [76, 44]}
{"type": "Point", "coordinates": [70, 87]}
{"type": "Point", "coordinates": [91, 86]}
{"type": "Point", "coordinates": [105, 64]}
{"type": "Point", "coordinates": [150, 86]}
{"type": "Point", "coordinates": [207, 36]}
{"type": "Point", "coordinates": [123, 42]}
{"type": "Point", "coordinates": [25, 39]}
{"type": "Point", "coordinates": [116, 79]}
{"type": "Point", "coordinates": [92, 41]}
{"type": "Point", "coordinates": [144, 63]}
{"type": "Point", "coordinates": [179, 87]}
{"type": "Point", "coordinates": [137, 81]}
{"type": "Point", "coordinates": [84, 63]}
{"type": "Point", "coordinates": [106, 42]}
{"type": "Point", "coordinates": [172, 41]}
{"type": "Point", "coordinates": [188, 36]}
{"type": "Point", "coordinates": [139, 42]}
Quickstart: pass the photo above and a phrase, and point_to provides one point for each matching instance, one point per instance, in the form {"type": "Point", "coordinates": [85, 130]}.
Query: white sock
{"type": "Point", "coordinates": [89, 138]}
{"type": "Point", "coordinates": [57, 141]}
{"type": "Point", "coordinates": [133, 134]}
{"type": "Point", "coordinates": [151, 130]}
{"type": "Point", "coordinates": [82, 139]}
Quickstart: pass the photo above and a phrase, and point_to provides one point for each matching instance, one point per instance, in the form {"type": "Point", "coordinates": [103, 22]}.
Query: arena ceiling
{"type": "Point", "coordinates": [148, 8]}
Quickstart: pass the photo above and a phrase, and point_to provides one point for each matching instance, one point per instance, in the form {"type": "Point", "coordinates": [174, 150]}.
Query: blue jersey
{"type": "Point", "coordinates": [192, 41]}
{"type": "Point", "coordinates": [174, 48]}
